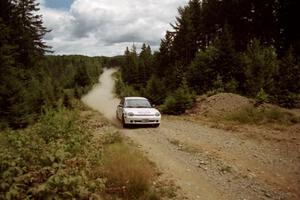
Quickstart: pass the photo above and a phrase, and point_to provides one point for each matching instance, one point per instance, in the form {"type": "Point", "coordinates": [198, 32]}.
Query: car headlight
{"type": "Point", "coordinates": [157, 114]}
{"type": "Point", "coordinates": [130, 114]}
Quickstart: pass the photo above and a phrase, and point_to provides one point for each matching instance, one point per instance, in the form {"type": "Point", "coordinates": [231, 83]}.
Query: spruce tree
{"type": "Point", "coordinates": [145, 64]}
{"type": "Point", "coordinates": [288, 80]}
{"type": "Point", "coordinates": [183, 44]}
{"type": "Point", "coordinates": [31, 32]}
{"type": "Point", "coordinates": [165, 57]}
{"type": "Point", "coordinates": [20, 50]}
{"type": "Point", "coordinates": [261, 67]}
{"type": "Point", "coordinates": [130, 71]}
{"type": "Point", "coordinates": [227, 62]}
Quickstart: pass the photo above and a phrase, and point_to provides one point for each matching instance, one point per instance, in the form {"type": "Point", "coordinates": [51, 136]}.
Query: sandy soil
{"type": "Point", "coordinates": [209, 163]}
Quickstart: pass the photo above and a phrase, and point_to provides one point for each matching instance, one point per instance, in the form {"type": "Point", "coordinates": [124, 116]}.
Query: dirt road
{"type": "Point", "coordinates": [101, 97]}
{"type": "Point", "coordinates": [209, 163]}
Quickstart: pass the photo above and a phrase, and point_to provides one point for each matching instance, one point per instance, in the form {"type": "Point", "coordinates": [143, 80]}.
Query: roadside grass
{"type": "Point", "coordinates": [70, 155]}
{"type": "Point", "coordinates": [166, 189]}
{"type": "Point", "coordinates": [127, 170]}
{"type": "Point", "coordinates": [254, 115]}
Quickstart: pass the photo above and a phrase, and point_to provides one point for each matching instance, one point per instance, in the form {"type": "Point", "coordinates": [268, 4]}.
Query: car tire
{"type": "Point", "coordinates": [123, 122]}
{"type": "Point", "coordinates": [156, 125]}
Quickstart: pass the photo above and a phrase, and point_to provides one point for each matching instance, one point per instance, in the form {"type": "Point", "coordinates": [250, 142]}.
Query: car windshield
{"type": "Point", "coordinates": [137, 103]}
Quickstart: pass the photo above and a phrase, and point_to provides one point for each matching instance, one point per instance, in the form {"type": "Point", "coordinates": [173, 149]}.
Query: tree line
{"type": "Point", "coordinates": [41, 161]}
{"type": "Point", "coordinates": [248, 47]}
{"type": "Point", "coordinates": [31, 81]}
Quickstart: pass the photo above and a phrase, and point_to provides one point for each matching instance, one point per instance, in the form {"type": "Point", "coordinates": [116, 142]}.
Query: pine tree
{"type": "Point", "coordinates": [145, 64]}
{"type": "Point", "coordinates": [21, 47]}
{"type": "Point", "coordinates": [288, 80]}
{"type": "Point", "coordinates": [184, 41]}
{"type": "Point", "coordinates": [82, 77]}
{"type": "Point", "coordinates": [227, 62]}
{"type": "Point", "coordinates": [165, 57]}
{"type": "Point", "coordinates": [30, 32]}
{"type": "Point", "coordinates": [196, 18]}
{"type": "Point", "coordinates": [216, 41]}
{"type": "Point", "coordinates": [202, 71]}
{"type": "Point", "coordinates": [155, 90]}
{"type": "Point", "coordinates": [261, 67]}
{"type": "Point", "coordinates": [289, 31]}
{"type": "Point", "coordinates": [130, 71]}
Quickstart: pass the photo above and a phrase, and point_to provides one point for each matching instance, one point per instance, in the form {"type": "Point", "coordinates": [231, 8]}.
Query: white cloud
{"type": "Point", "coordinates": [106, 27]}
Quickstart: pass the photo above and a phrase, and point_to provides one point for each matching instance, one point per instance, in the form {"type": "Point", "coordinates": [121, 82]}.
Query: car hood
{"type": "Point", "coordinates": [141, 111]}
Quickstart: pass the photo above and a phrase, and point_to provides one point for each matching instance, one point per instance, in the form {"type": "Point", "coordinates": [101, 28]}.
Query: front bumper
{"type": "Point", "coordinates": [142, 119]}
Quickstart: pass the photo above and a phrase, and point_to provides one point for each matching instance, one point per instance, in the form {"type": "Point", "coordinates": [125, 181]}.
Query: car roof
{"type": "Point", "coordinates": [135, 98]}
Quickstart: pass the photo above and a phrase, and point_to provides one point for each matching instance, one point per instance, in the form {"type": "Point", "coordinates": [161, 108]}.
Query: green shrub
{"type": "Point", "coordinates": [231, 86]}
{"type": "Point", "coordinates": [54, 159]}
{"type": "Point", "coordinates": [288, 81]}
{"type": "Point", "coordinates": [218, 84]}
{"type": "Point", "coordinates": [57, 123]}
{"type": "Point", "coordinates": [261, 66]}
{"type": "Point", "coordinates": [58, 158]}
{"type": "Point", "coordinates": [288, 99]}
{"type": "Point", "coordinates": [155, 90]}
{"type": "Point", "coordinates": [182, 99]}
{"type": "Point", "coordinates": [261, 97]}
{"type": "Point", "coordinates": [67, 101]}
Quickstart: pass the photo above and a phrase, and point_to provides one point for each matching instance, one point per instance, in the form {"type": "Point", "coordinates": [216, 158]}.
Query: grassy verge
{"type": "Point", "coordinates": [254, 115]}
{"type": "Point", "coordinates": [72, 154]}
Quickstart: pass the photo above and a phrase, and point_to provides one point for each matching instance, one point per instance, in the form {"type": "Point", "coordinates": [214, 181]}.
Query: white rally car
{"type": "Point", "coordinates": [137, 110]}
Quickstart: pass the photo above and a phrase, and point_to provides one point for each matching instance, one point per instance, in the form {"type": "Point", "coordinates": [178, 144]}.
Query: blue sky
{"type": "Point", "coordinates": [59, 4]}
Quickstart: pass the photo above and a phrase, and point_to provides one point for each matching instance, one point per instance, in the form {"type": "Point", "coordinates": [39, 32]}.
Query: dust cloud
{"type": "Point", "coordinates": [101, 97]}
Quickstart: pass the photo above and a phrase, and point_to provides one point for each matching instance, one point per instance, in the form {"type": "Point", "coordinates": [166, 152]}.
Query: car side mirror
{"type": "Point", "coordinates": [153, 105]}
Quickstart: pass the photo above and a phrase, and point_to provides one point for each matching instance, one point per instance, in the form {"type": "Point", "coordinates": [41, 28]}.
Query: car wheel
{"type": "Point", "coordinates": [123, 122]}
{"type": "Point", "coordinates": [156, 125]}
